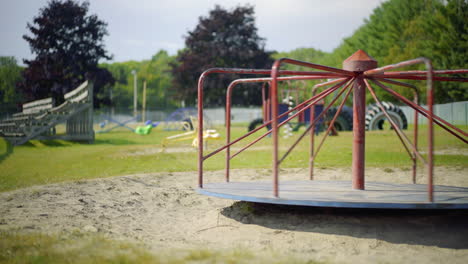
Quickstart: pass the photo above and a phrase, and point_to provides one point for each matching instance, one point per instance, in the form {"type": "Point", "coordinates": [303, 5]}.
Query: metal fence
{"type": "Point", "coordinates": [214, 115]}
{"type": "Point", "coordinates": [454, 113]}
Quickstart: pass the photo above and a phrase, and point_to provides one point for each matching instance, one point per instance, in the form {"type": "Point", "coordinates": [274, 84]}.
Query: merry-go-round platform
{"type": "Point", "coordinates": [340, 194]}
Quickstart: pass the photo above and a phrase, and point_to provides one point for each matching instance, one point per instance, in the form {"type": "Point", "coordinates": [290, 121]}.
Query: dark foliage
{"type": "Point", "coordinates": [399, 30]}
{"type": "Point", "coordinates": [226, 38]}
{"type": "Point", "coordinates": [68, 45]}
{"type": "Point", "coordinates": [10, 74]}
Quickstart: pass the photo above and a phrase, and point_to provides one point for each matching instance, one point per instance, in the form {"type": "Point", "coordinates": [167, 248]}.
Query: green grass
{"type": "Point", "coordinates": [116, 153]}
{"type": "Point", "coordinates": [86, 248]}
{"type": "Point", "coordinates": [113, 154]}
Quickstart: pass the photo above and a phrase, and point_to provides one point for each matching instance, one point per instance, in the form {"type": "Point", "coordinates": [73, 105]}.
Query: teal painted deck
{"type": "Point", "coordinates": [340, 194]}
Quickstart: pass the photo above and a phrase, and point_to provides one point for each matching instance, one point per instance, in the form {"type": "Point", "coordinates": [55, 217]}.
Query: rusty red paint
{"type": "Point", "coordinates": [360, 67]}
{"type": "Point", "coordinates": [315, 120]}
{"type": "Point", "coordinates": [359, 62]}
{"type": "Point", "coordinates": [332, 123]}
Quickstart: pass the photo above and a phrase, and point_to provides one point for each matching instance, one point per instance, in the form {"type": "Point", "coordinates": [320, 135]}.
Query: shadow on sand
{"type": "Point", "coordinates": [441, 228]}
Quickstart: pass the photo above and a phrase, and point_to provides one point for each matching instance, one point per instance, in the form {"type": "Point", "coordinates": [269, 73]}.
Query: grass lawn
{"type": "Point", "coordinates": [93, 249]}
{"type": "Point", "coordinates": [123, 152]}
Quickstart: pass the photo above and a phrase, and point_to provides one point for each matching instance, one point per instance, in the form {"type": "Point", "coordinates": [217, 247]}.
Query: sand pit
{"type": "Point", "coordinates": [163, 211]}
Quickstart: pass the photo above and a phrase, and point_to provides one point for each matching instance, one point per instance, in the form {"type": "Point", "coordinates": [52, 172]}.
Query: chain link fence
{"type": "Point", "coordinates": [454, 113]}
{"type": "Point", "coordinates": [214, 115]}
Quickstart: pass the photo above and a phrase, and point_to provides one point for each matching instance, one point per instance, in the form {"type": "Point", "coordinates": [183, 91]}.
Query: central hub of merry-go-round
{"type": "Point", "coordinates": [360, 74]}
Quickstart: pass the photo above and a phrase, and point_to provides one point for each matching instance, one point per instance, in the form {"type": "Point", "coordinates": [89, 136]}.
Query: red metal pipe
{"type": "Point", "coordinates": [402, 136]}
{"type": "Point", "coordinates": [228, 107]}
{"type": "Point", "coordinates": [429, 79]}
{"type": "Point", "coordinates": [327, 83]}
{"type": "Point", "coordinates": [341, 72]}
{"type": "Point", "coordinates": [403, 73]}
{"type": "Point", "coordinates": [415, 132]}
{"type": "Point", "coordinates": [415, 135]}
{"type": "Point", "coordinates": [359, 62]}
{"type": "Point", "coordinates": [312, 135]}
{"type": "Point", "coordinates": [228, 132]}
{"type": "Point", "coordinates": [393, 66]}
{"type": "Point", "coordinates": [312, 129]}
{"type": "Point", "coordinates": [396, 82]}
{"type": "Point", "coordinates": [300, 106]}
{"type": "Point", "coordinates": [315, 121]}
{"type": "Point", "coordinates": [200, 102]}
{"type": "Point", "coordinates": [264, 101]}
{"type": "Point", "coordinates": [439, 121]}
{"type": "Point", "coordinates": [359, 131]}
{"type": "Point", "coordinates": [332, 123]}
{"type": "Point", "coordinates": [319, 97]}
{"type": "Point", "coordinates": [274, 96]}
{"type": "Point", "coordinates": [274, 124]}
{"type": "Point", "coordinates": [421, 78]}
{"type": "Point", "coordinates": [430, 151]}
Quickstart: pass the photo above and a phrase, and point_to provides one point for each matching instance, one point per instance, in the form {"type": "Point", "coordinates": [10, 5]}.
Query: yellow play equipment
{"type": "Point", "coordinates": [209, 134]}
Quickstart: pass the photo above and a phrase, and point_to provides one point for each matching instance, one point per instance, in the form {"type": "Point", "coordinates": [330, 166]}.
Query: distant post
{"type": "Point", "coordinates": [143, 112]}
{"type": "Point", "coordinates": [135, 94]}
{"type": "Point", "coordinates": [359, 62]}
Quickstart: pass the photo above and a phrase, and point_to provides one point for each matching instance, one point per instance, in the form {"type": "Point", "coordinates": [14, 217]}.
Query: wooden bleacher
{"type": "Point", "coordinates": [39, 118]}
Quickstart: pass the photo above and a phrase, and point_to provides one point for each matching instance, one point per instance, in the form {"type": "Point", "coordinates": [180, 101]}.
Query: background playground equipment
{"type": "Point", "coordinates": [176, 121]}
{"type": "Point", "coordinates": [290, 97]}
{"type": "Point", "coordinates": [180, 119]}
{"type": "Point", "coordinates": [40, 119]}
{"type": "Point", "coordinates": [360, 70]}
{"type": "Point", "coordinates": [375, 117]}
{"type": "Point", "coordinates": [146, 129]}
{"type": "Point", "coordinates": [208, 134]}
{"type": "Point", "coordinates": [123, 124]}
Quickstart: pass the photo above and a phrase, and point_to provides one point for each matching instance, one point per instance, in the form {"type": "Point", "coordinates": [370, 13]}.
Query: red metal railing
{"type": "Point", "coordinates": [355, 77]}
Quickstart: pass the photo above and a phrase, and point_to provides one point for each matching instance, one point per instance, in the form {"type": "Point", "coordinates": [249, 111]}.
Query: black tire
{"type": "Point", "coordinates": [375, 118]}
{"type": "Point", "coordinates": [255, 123]}
{"type": "Point", "coordinates": [344, 121]}
{"type": "Point", "coordinates": [187, 124]}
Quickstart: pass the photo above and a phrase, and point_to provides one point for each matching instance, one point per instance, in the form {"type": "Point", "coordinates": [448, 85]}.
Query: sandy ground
{"type": "Point", "coordinates": [164, 212]}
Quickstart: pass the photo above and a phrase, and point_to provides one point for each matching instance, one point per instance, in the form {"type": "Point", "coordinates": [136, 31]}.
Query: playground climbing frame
{"type": "Point", "coordinates": [358, 76]}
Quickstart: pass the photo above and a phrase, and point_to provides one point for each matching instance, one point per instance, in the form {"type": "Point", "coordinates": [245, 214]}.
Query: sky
{"type": "Point", "coordinates": [138, 29]}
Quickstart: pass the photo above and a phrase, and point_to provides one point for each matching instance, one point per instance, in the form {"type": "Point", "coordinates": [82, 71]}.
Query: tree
{"type": "Point", "coordinates": [10, 74]}
{"type": "Point", "coordinates": [226, 38]}
{"type": "Point", "coordinates": [68, 44]}
{"type": "Point", "coordinates": [399, 30]}
{"type": "Point", "coordinates": [157, 74]}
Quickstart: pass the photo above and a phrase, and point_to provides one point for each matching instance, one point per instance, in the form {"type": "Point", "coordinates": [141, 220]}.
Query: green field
{"type": "Point", "coordinates": [95, 249]}
{"type": "Point", "coordinates": [123, 152]}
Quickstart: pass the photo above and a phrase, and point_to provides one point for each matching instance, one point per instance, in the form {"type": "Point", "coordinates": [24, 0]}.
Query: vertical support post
{"type": "Point", "coordinates": [264, 102]}
{"type": "Point", "coordinates": [312, 138]}
{"type": "Point", "coordinates": [359, 62]}
{"type": "Point", "coordinates": [200, 130]}
{"type": "Point", "coordinates": [359, 133]}
{"type": "Point", "coordinates": [228, 132]}
{"type": "Point", "coordinates": [415, 136]}
{"type": "Point", "coordinates": [430, 151]}
{"type": "Point", "coordinates": [274, 123]}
